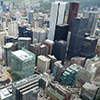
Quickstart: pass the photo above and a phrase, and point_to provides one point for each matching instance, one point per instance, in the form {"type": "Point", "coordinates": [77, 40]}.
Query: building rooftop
{"type": "Point", "coordinates": [91, 38]}
{"type": "Point", "coordinates": [43, 58]}
{"type": "Point", "coordinates": [22, 55]}
{"type": "Point", "coordinates": [8, 45]}
{"type": "Point", "coordinates": [26, 80]}
{"type": "Point", "coordinates": [24, 38]}
{"type": "Point", "coordinates": [5, 93]}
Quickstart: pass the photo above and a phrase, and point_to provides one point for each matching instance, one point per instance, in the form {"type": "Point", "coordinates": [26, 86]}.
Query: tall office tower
{"type": "Point", "coordinates": [49, 44]}
{"type": "Point", "coordinates": [22, 64]}
{"type": "Point", "coordinates": [2, 35]}
{"type": "Point", "coordinates": [35, 24]}
{"type": "Point", "coordinates": [36, 36]}
{"type": "Point", "coordinates": [57, 17]}
{"type": "Point", "coordinates": [4, 26]}
{"type": "Point", "coordinates": [13, 29]}
{"type": "Point", "coordinates": [88, 47]}
{"type": "Point", "coordinates": [52, 61]}
{"type": "Point", "coordinates": [1, 3]}
{"type": "Point", "coordinates": [39, 49]}
{"type": "Point", "coordinates": [24, 42]}
{"type": "Point", "coordinates": [59, 50]}
{"type": "Point", "coordinates": [26, 89]}
{"type": "Point", "coordinates": [18, 16]}
{"type": "Point", "coordinates": [78, 31]}
{"type": "Point", "coordinates": [34, 48]}
{"type": "Point", "coordinates": [28, 33]}
{"type": "Point", "coordinates": [30, 17]}
{"type": "Point", "coordinates": [8, 20]}
{"type": "Point", "coordinates": [57, 70]}
{"type": "Point", "coordinates": [92, 15]}
{"type": "Point", "coordinates": [22, 29]}
{"type": "Point", "coordinates": [39, 35]}
{"type": "Point", "coordinates": [40, 22]}
{"type": "Point", "coordinates": [43, 50]}
{"type": "Point", "coordinates": [61, 32]}
{"type": "Point", "coordinates": [7, 53]}
{"type": "Point", "coordinates": [73, 12]}
{"type": "Point", "coordinates": [43, 63]}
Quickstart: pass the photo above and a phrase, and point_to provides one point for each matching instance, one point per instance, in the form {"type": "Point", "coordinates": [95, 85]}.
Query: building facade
{"type": "Point", "coordinates": [57, 16]}
{"type": "Point", "coordinates": [22, 64]}
{"type": "Point", "coordinates": [26, 89]}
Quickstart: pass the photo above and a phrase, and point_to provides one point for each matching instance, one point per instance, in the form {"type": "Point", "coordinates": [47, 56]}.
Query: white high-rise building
{"type": "Point", "coordinates": [2, 35]}
{"type": "Point", "coordinates": [4, 26]}
{"type": "Point", "coordinates": [18, 16]}
{"type": "Point", "coordinates": [56, 17]}
{"type": "Point", "coordinates": [13, 28]}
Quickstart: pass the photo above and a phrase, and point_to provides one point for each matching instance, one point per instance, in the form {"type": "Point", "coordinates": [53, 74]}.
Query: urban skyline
{"type": "Point", "coordinates": [49, 50]}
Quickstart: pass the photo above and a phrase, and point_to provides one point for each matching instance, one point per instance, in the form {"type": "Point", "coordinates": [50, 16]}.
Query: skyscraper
{"type": "Point", "coordinates": [88, 47]}
{"type": "Point", "coordinates": [57, 17]}
{"type": "Point", "coordinates": [22, 64]}
{"type": "Point", "coordinates": [7, 53]}
{"type": "Point", "coordinates": [13, 28]}
{"type": "Point", "coordinates": [73, 11]}
{"type": "Point", "coordinates": [39, 35]}
{"type": "Point", "coordinates": [27, 33]}
{"type": "Point", "coordinates": [59, 50]}
{"type": "Point", "coordinates": [61, 32]}
{"type": "Point", "coordinates": [30, 17]}
{"type": "Point", "coordinates": [24, 42]}
{"type": "Point", "coordinates": [22, 29]}
{"type": "Point", "coordinates": [92, 15]}
{"type": "Point", "coordinates": [2, 35]}
{"type": "Point", "coordinates": [18, 16]}
{"type": "Point", "coordinates": [57, 70]}
{"type": "Point", "coordinates": [43, 63]}
{"type": "Point", "coordinates": [78, 31]}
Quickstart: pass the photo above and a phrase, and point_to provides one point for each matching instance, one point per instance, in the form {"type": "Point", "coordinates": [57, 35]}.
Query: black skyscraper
{"type": "Point", "coordinates": [21, 30]}
{"type": "Point", "coordinates": [61, 32]}
{"type": "Point", "coordinates": [79, 29]}
{"type": "Point", "coordinates": [88, 47]}
{"type": "Point", "coordinates": [25, 32]}
{"type": "Point", "coordinates": [60, 49]}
